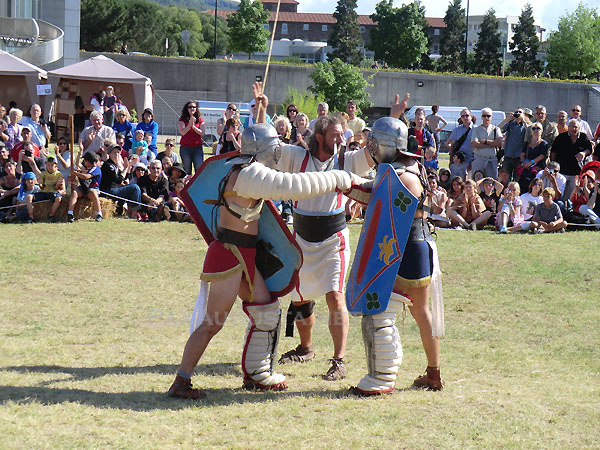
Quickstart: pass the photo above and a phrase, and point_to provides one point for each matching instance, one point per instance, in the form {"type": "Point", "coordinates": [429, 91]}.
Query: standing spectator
{"type": "Point", "coordinates": [514, 128]}
{"type": "Point", "coordinates": [40, 133]}
{"type": "Point", "coordinates": [149, 125]}
{"type": "Point", "coordinates": [114, 181]}
{"type": "Point", "coordinates": [230, 112]}
{"type": "Point", "coordinates": [124, 126]}
{"type": "Point", "coordinates": [468, 211]}
{"type": "Point", "coordinates": [547, 216]}
{"type": "Point", "coordinates": [291, 113]}
{"type": "Point", "coordinates": [348, 134]}
{"type": "Point", "coordinates": [97, 101]}
{"type": "Point", "coordinates": [433, 120]}
{"type": "Point", "coordinates": [168, 151]}
{"type": "Point", "coordinates": [92, 138]}
{"type": "Point", "coordinates": [584, 127]}
{"type": "Point", "coordinates": [14, 129]}
{"type": "Point", "coordinates": [322, 110]}
{"type": "Point", "coordinates": [284, 129]}
{"type": "Point", "coordinates": [232, 137]}
{"type": "Point", "coordinates": [90, 176]}
{"type": "Point", "coordinates": [301, 133]}
{"type": "Point", "coordinates": [79, 117]}
{"type": "Point", "coordinates": [486, 138]}
{"type": "Point", "coordinates": [110, 106]}
{"type": "Point", "coordinates": [424, 137]}
{"type": "Point", "coordinates": [549, 130]}
{"type": "Point", "coordinates": [356, 124]}
{"type": "Point", "coordinates": [570, 150]}
{"type": "Point", "coordinates": [155, 192]}
{"type": "Point", "coordinates": [191, 128]}
{"type": "Point", "coordinates": [460, 138]}
{"type": "Point", "coordinates": [430, 162]}
{"type": "Point", "coordinates": [533, 157]}
{"type": "Point", "coordinates": [561, 122]}
{"type": "Point", "coordinates": [251, 119]}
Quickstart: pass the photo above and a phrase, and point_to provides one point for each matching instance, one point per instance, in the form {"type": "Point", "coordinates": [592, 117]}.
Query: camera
{"type": "Point", "coordinates": [516, 114]}
{"type": "Point", "coordinates": [28, 153]}
{"type": "Point", "coordinates": [551, 171]}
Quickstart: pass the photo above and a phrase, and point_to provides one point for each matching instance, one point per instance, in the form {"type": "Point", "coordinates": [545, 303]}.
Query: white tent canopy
{"type": "Point", "coordinates": [89, 76]}
{"type": "Point", "coordinates": [18, 81]}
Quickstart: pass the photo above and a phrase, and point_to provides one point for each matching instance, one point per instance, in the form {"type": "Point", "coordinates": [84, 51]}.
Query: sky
{"type": "Point", "coordinates": [546, 12]}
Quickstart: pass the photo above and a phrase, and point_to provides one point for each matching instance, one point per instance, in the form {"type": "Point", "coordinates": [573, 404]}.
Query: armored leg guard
{"type": "Point", "coordinates": [260, 347]}
{"type": "Point", "coordinates": [383, 349]}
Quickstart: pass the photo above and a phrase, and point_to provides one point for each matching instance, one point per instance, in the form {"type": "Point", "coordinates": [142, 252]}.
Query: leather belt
{"type": "Point", "coordinates": [318, 228]}
{"type": "Point", "coordinates": [236, 238]}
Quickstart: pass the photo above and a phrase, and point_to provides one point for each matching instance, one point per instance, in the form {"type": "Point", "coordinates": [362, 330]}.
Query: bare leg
{"type": "Point", "coordinates": [338, 322]}
{"type": "Point", "coordinates": [456, 219]}
{"type": "Point", "coordinates": [73, 199]}
{"type": "Point", "coordinates": [29, 204]}
{"type": "Point", "coordinates": [55, 206]}
{"type": "Point", "coordinates": [93, 196]}
{"type": "Point", "coordinates": [482, 219]}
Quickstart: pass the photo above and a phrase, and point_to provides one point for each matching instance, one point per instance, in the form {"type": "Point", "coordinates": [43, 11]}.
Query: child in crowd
{"type": "Point", "coordinates": [478, 175]}
{"type": "Point", "coordinates": [52, 187]}
{"type": "Point", "coordinates": [430, 160]}
{"type": "Point", "coordinates": [509, 214]}
{"type": "Point", "coordinates": [445, 179]}
{"type": "Point", "coordinates": [175, 173]}
{"type": "Point", "coordinates": [89, 185]}
{"type": "Point", "coordinates": [139, 146]}
{"type": "Point", "coordinates": [531, 198]}
{"type": "Point", "coordinates": [547, 216]}
{"type": "Point", "coordinates": [488, 191]}
{"type": "Point", "coordinates": [168, 151]}
{"type": "Point", "coordinates": [25, 197]}
{"type": "Point", "coordinates": [175, 202]}
{"type": "Point", "coordinates": [459, 167]}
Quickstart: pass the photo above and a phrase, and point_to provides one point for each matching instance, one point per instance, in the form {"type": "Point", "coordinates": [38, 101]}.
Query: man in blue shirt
{"type": "Point", "coordinates": [514, 129]}
{"type": "Point", "coordinates": [458, 134]}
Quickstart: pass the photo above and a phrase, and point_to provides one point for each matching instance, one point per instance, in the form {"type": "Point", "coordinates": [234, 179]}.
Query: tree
{"type": "Point", "coordinates": [339, 82]}
{"type": "Point", "coordinates": [398, 39]}
{"type": "Point", "coordinates": [452, 44]}
{"type": "Point", "coordinates": [104, 25]}
{"type": "Point", "coordinates": [488, 59]}
{"type": "Point", "coordinates": [345, 37]}
{"type": "Point", "coordinates": [425, 63]}
{"type": "Point", "coordinates": [144, 32]}
{"type": "Point", "coordinates": [178, 19]}
{"type": "Point", "coordinates": [247, 33]}
{"type": "Point", "coordinates": [575, 47]}
{"type": "Point", "coordinates": [525, 45]}
{"type": "Point", "coordinates": [208, 34]}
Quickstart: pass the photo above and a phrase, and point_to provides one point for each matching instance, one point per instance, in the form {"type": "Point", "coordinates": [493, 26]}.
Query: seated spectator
{"type": "Point", "coordinates": [27, 159]}
{"type": "Point", "coordinates": [478, 175]}
{"type": "Point", "coordinates": [456, 188]}
{"type": "Point", "coordinates": [52, 187]}
{"type": "Point", "coordinates": [232, 136]}
{"type": "Point", "coordinates": [114, 182]}
{"type": "Point", "coordinates": [14, 129]}
{"type": "Point", "coordinates": [284, 129]}
{"type": "Point", "coordinates": [9, 188]}
{"type": "Point", "coordinates": [530, 200]}
{"type": "Point", "coordinates": [301, 133]}
{"type": "Point", "coordinates": [591, 209]}
{"type": "Point", "coordinates": [439, 201]}
{"type": "Point", "coordinates": [92, 138]}
{"type": "Point", "coordinates": [488, 191]}
{"type": "Point", "coordinates": [509, 211]}
{"type": "Point", "coordinates": [27, 190]}
{"type": "Point", "coordinates": [139, 146]}
{"type": "Point", "coordinates": [4, 156]}
{"type": "Point", "coordinates": [139, 169]}
{"type": "Point", "coordinates": [121, 142]}
{"type": "Point", "coordinates": [175, 202]}
{"type": "Point", "coordinates": [547, 216]}
{"type": "Point", "coordinates": [459, 166]}
{"type": "Point", "coordinates": [468, 211]}
{"type": "Point", "coordinates": [63, 157]}
{"type": "Point", "coordinates": [444, 179]}
{"type": "Point", "coordinates": [551, 177]}
{"type": "Point", "coordinates": [155, 193]}
{"type": "Point", "coordinates": [175, 173]}
{"type": "Point", "coordinates": [430, 160]}
{"type": "Point", "coordinates": [90, 176]}
{"type": "Point", "coordinates": [584, 187]}
{"type": "Point", "coordinates": [25, 135]}
{"type": "Point", "coordinates": [125, 127]}
{"type": "Point", "coordinates": [168, 151]}
{"type": "Point", "coordinates": [167, 163]}
{"type": "Point", "coordinates": [503, 178]}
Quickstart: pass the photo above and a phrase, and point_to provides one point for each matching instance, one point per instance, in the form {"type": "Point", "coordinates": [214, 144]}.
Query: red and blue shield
{"type": "Point", "coordinates": [278, 257]}
{"type": "Point", "coordinates": [387, 224]}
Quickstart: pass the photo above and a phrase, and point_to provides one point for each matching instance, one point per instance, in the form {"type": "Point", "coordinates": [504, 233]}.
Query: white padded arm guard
{"type": "Point", "coordinates": [258, 181]}
{"type": "Point", "coordinates": [360, 190]}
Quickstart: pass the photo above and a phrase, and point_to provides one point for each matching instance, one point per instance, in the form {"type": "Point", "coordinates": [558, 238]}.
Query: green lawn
{"type": "Point", "coordinates": [95, 316]}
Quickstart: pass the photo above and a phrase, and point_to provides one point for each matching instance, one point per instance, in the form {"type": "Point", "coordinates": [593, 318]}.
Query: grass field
{"type": "Point", "coordinates": [95, 316]}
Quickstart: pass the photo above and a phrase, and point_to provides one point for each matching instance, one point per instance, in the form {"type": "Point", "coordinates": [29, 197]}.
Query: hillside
{"type": "Point", "coordinates": [200, 4]}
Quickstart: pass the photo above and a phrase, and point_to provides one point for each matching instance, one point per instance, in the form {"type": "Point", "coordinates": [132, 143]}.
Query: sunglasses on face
{"type": "Point", "coordinates": [464, 115]}
{"type": "Point", "coordinates": [292, 110]}
{"type": "Point", "coordinates": [576, 110]}
{"type": "Point", "coordinates": [486, 115]}
{"type": "Point", "coordinates": [139, 169]}
{"type": "Point", "coordinates": [192, 107]}
{"type": "Point", "coordinates": [169, 145]}
{"type": "Point", "coordinates": [232, 109]}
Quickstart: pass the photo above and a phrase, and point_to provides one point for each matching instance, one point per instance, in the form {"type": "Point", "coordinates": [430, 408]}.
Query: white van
{"type": "Point", "coordinates": [213, 111]}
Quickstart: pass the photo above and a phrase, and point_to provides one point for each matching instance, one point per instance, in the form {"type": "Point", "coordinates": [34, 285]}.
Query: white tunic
{"type": "Point", "coordinates": [324, 263]}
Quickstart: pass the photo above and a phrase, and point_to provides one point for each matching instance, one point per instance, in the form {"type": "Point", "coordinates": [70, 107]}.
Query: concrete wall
{"type": "Point", "coordinates": [231, 81]}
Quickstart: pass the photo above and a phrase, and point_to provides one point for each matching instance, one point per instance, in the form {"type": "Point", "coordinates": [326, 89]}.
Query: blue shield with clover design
{"type": "Point", "coordinates": [387, 224]}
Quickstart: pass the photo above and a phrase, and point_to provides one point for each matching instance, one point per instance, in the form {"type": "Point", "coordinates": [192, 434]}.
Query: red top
{"type": "Point", "coordinates": [191, 138]}
{"type": "Point", "coordinates": [14, 154]}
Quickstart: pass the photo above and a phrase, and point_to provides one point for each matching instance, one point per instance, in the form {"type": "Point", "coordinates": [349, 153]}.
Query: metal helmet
{"type": "Point", "coordinates": [388, 138]}
{"type": "Point", "coordinates": [261, 142]}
